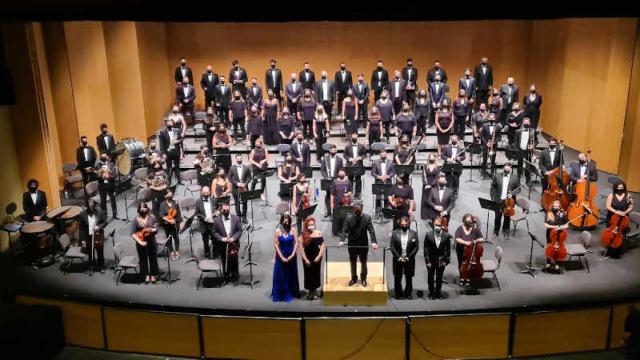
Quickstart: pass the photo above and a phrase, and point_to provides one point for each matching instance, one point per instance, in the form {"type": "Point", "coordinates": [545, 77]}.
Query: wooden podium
{"type": "Point", "coordinates": [336, 289]}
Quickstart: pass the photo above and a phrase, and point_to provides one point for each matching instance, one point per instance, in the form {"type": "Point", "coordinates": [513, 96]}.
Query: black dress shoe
{"type": "Point", "coordinates": [352, 282]}
{"type": "Point", "coordinates": [364, 283]}
{"type": "Point", "coordinates": [431, 297]}
{"type": "Point", "coordinates": [409, 297]}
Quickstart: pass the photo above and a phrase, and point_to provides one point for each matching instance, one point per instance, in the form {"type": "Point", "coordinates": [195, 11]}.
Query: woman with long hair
{"type": "Point", "coordinates": [312, 249]}
{"type": "Point", "coordinates": [285, 270]}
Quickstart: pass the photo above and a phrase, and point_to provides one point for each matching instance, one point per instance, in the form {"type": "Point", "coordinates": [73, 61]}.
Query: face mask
{"type": "Point", "coordinates": [225, 213]}
{"type": "Point", "coordinates": [552, 147]}
{"type": "Point", "coordinates": [405, 110]}
{"type": "Point", "coordinates": [526, 126]}
{"type": "Point", "coordinates": [311, 227]}
{"type": "Point", "coordinates": [437, 229]}
{"type": "Point", "coordinates": [533, 90]}
{"type": "Point", "coordinates": [506, 172]}
{"type": "Point", "coordinates": [454, 143]}
{"type": "Point", "coordinates": [404, 227]}
{"type": "Point", "coordinates": [379, 68]}
{"type": "Point", "coordinates": [442, 185]}
{"type": "Point", "coordinates": [495, 94]}
{"type": "Point", "coordinates": [555, 210]}
{"type": "Point", "coordinates": [158, 169]}
{"type": "Point", "coordinates": [239, 162]}
{"type": "Point", "coordinates": [384, 97]}
{"type": "Point", "coordinates": [104, 132]}
{"type": "Point", "coordinates": [270, 96]}
{"type": "Point", "coordinates": [582, 162]}
{"type": "Point", "coordinates": [357, 211]}
{"type": "Point", "coordinates": [209, 71]}
{"type": "Point", "coordinates": [354, 141]}
{"type": "Point", "coordinates": [482, 110]}
{"type": "Point", "coordinates": [183, 64]}
{"type": "Point", "coordinates": [238, 97]}
{"type": "Point", "coordinates": [33, 189]}
{"type": "Point", "coordinates": [205, 197]}
{"type": "Point", "coordinates": [221, 82]}
{"type": "Point", "coordinates": [324, 77]}
{"type": "Point", "coordinates": [299, 140]}
{"type": "Point", "coordinates": [468, 223]}
{"type": "Point", "coordinates": [84, 143]}
{"type": "Point", "coordinates": [273, 66]}
{"type": "Point", "coordinates": [431, 161]}
{"type": "Point", "coordinates": [397, 77]}
{"type": "Point", "coordinates": [343, 67]}
{"type": "Point", "coordinates": [254, 84]}
{"type": "Point", "coordinates": [619, 191]}
{"type": "Point", "coordinates": [152, 147]}
{"type": "Point", "coordinates": [185, 83]}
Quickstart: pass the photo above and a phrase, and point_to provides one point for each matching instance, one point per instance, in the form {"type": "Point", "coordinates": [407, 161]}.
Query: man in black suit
{"type": "Point", "coordinates": [484, 81]}
{"type": "Point", "coordinates": [106, 142]}
{"type": "Point", "coordinates": [355, 229]}
{"type": "Point", "coordinates": [440, 200]}
{"type": "Point", "coordinates": [301, 151]}
{"type": "Point", "coordinates": [490, 135]}
{"type": "Point", "coordinates": [410, 77]}
{"type": "Point", "coordinates": [550, 159]}
{"type": "Point", "coordinates": [205, 213]}
{"type": "Point", "coordinates": [453, 153]}
{"type": "Point", "coordinates": [34, 202]}
{"type": "Point", "coordinates": [183, 71]}
{"type": "Point", "coordinates": [404, 247]}
{"type": "Point", "coordinates": [223, 99]}
{"type": "Point", "coordinates": [583, 169]}
{"type": "Point", "coordinates": [354, 154]}
{"type": "Point", "coordinates": [437, 70]}
{"type": "Point", "coordinates": [85, 158]}
{"type": "Point", "coordinates": [361, 92]}
{"type": "Point", "coordinates": [185, 96]}
{"type": "Point", "coordinates": [468, 84]}
{"type": "Point", "coordinates": [325, 93]}
{"type": "Point", "coordinates": [254, 94]}
{"type": "Point", "coordinates": [509, 93]}
{"type": "Point", "coordinates": [106, 172]}
{"type": "Point", "coordinates": [307, 77]}
{"type": "Point", "coordinates": [240, 176]}
{"type": "Point", "coordinates": [379, 80]}
{"type": "Point", "coordinates": [382, 170]}
{"type": "Point", "coordinates": [238, 78]}
{"type": "Point", "coordinates": [93, 221]}
{"type": "Point", "coordinates": [273, 80]}
{"type": "Point", "coordinates": [169, 140]}
{"type": "Point", "coordinates": [227, 231]}
{"type": "Point", "coordinates": [208, 84]}
{"type": "Point", "coordinates": [293, 91]}
{"type": "Point", "coordinates": [437, 255]}
{"type": "Point", "coordinates": [329, 167]}
{"type": "Point", "coordinates": [343, 81]}
{"type": "Point", "coordinates": [525, 141]}
{"type": "Point", "coordinates": [503, 186]}
{"type": "Point", "coordinates": [398, 92]}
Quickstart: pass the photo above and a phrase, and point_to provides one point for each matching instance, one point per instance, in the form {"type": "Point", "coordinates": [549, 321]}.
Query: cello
{"type": "Point", "coordinates": [612, 236]}
{"type": "Point", "coordinates": [584, 203]}
{"type": "Point", "coordinates": [471, 267]}
{"type": "Point", "coordinates": [556, 250]}
{"type": "Point", "coordinates": [557, 182]}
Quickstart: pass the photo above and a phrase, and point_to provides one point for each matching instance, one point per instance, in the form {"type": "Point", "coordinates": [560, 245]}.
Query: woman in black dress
{"type": "Point", "coordinates": [555, 219]}
{"type": "Point", "coordinates": [401, 199]}
{"type": "Point", "coordinates": [514, 122]}
{"type": "Point", "coordinates": [444, 125]}
{"type": "Point", "coordinates": [222, 143]}
{"type": "Point", "coordinates": [374, 127]}
{"type": "Point", "coordinates": [430, 174]}
{"type": "Point", "coordinates": [619, 202]}
{"type": "Point", "coordinates": [312, 249]}
{"type": "Point", "coordinates": [270, 112]}
{"type": "Point", "coordinates": [403, 152]}
{"type": "Point", "coordinates": [349, 111]}
{"type": "Point", "coordinates": [255, 125]}
{"type": "Point", "coordinates": [466, 234]}
{"type": "Point", "coordinates": [422, 111]}
{"type": "Point", "coordinates": [287, 173]}
{"type": "Point", "coordinates": [385, 106]}
{"type": "Point", "coordinates": [532, 103]}
{"type": "Point", "coordinates": [238, 115]}
{"type": "Point", "coordinates": [495, 105]}
{"type": "Point", "coordinates": [259, 159]}
{"type": "Point", "coordinates": [321, 128]}
{"type": "Point", "coordinates": [300, 190]}
{"type": "Point", "coordinates": [305, 113]}
{"type": "Point", "coordinates": [143, 232]}
{"type": "Point", "coordinates": [285, 127]}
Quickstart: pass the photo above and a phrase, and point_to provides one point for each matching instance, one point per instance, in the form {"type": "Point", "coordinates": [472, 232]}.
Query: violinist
{"type": "Point", "coordinates": [619, 203]}
{"type": "Point", "coordinates": [556, 219]}
{"type": "Point", "coordinates": [582, 170]}
{"type": "Point", "coordinates": [550, 159]}
{"type": "Point", "coordinates": [437, 255]}
{"type": "Point", "coordinates": [503, 187]}
{"type": "Point", "coordinates": [301, 199]}
{"type": "Point", "coordinates": [403, 152]}
{"type": "Point", "coordinates": [92, 224]}
{"type": "Point", "coordinates": [171, 218]}
{"type": "Point", "coordinates": [401, 199]}
{"type": "Point", "coordinates": [143, 232]}
{"type": "Point", "coordinates": [466, 235]}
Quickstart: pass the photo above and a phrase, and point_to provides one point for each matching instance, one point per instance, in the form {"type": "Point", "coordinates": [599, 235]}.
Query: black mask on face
{"type": "Point", "coordinates": [468, 223]}
{"type": "Point", "coordinates": [357, 211]}
{"type": "Point", "coordinates": [225, 212]}
{"type": "Point", "coordinates": [354, 141]}
{"type": "Point", "coordinates": [582, 162]}
{"type": "Point", "coordinates": [555, 210]}
{"type": "Point", "coordinates": [552, 147]}
{"type": "Point", "coordinates": [483, 110]}
{"type": "Point", "coordinates": [237, 97]}
{"type": "Point", "coordinates": [273, 66]}
{"type": "Point", "coordinates": [533, 90]}
{"type": "Point", "coordinates": [300, 139]}
{"type": "Point", "coordinates": [104, 132]}
{"type": "Point", "coordinates": [379, 68]}
{"type": "Point", "coordinates": [183, 64]}
{"type": "Point", "coordinates": [324, 77]}
{"type": "Point", "coordinates": [221, 82]}
{"type": "Point", "coordinates": [442, 185]}
{"type": "Point", "coordinates": [205, 197]}
{"type": "Point", "coordinates": [454, 142]}
{"type": "Point", "coordinates": [619, 191]}
{"type": "Point", "coordinates": [33, 189]}
{"type": "Point", "coordinates": [404, 227]}
{"type": "Point", "coordinates": [84, 143]}
{"type": "Point", "coordinates": [343, 67]}
{"type": "Point", "coordinates": [526, 126]}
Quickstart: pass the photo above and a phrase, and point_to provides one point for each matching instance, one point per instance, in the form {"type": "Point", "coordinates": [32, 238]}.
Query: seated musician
{"type": "Point", "coordinates": [403, 152]}
{"type": "Point", "coordinates": [158, 183]}
{"type": "Point", "coordinates": [550, 159]}
{"type": "Point", "coordinates": [401, 198]}
{"type": "Point", "coordinates": [555, 219]}
{"type": "Point", "coordinates": [466, 235]}
{"type": "Point", "coordinates": [93, 222]}
{"type": "Point", "coordinates": [301, 199]}
{"type": "Point", "coordinates": [490, 135]}
{"type": "Point", "coordinates": [619, 202]}
{"type": "Point", "coordinates": [288, 173]}
{"type": "Point", "coordinates": [453, 153]}
{"type": "Point", "coordinates": [85, 158]}
{"type": "Point", "coordinates": [341, 195]}
{"type": "Point", "coordinates": [329, 170]}
{"type": "Point", "coordinates": [525, 140]}
{"type": "Point", "coordinates": [221, 187]}
{"type": "Point", "coordinates": [502, 187]}
{"type": "Point", "coordinates": [440, 200]}
{"type": "Point", "coordinates": [259, 159]}
{"type": "Point", "coordinates": [583, 169]}
{"type": "Point", "coordinates": [240, 176]}
{"type": "Point", "coordinates": [383, 171]}
{"type": "Point", "coordinates": [354, 154]}
{"type": "Point", "coordinates": [170, 218]}
{"type": "Point", "coordinates": [106, 172]}
{"type": "Point", "coordinates": [34, 202]}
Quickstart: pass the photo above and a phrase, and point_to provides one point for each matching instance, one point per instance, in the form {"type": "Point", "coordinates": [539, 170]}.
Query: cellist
{"type": "Point", "coordinates": [555, 219]}
{"type": "Point", "coordinates": [466, 235]}
{"type": "Point", "coordinates": [171, 218]}
{"type": "Point", "coordinates": [620, 203]}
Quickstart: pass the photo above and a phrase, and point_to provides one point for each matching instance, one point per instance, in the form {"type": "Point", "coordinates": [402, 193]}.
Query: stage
{"type": "Point", "coordinates": [608, 281]}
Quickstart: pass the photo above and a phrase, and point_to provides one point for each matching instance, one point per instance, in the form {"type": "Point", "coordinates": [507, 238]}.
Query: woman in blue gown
{"type": "Point", "coordinates": [285, 271]}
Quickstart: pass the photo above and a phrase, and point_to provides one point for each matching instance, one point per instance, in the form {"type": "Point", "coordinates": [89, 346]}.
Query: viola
{"type": "Point", "coordinates": [584, 203]}
{"type": "Point", "coordinates": [612, 236]}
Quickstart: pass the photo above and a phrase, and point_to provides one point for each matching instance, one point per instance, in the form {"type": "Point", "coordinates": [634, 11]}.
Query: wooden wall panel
{"type": "Point", "coordinates": [12, 185]}
{"type": "Point", "coordinates": [630, 152]}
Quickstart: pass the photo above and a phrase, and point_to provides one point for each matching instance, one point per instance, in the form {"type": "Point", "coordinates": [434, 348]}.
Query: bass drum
{"type": "Point", "coordinates": [131, 155]}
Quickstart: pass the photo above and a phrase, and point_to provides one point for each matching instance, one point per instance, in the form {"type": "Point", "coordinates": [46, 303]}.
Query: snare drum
{"type": "Point", "coordinates": [131, 155]}
{"type": "Point", "coordinates": [39, 236]}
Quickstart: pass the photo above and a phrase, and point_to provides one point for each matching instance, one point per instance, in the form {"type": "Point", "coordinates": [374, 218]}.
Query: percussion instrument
{"type": "Point", "coordinates": [131, 155]}
{"type": "Point", "coordinates": [39, 236]}
{"type": "Point", "coordinates": [70, 219]}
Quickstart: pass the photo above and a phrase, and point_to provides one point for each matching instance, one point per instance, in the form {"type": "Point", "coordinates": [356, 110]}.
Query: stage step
{"type": "Point", "coordinates": [336, 289]}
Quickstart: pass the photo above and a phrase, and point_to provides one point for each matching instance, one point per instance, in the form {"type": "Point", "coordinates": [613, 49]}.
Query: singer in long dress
{"type": "Point", "coordinates": [311, 249]}
{"type": "Point", "coordinates": [285, 271]}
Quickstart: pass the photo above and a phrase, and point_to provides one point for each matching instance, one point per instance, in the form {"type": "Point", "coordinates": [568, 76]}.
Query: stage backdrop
{"type": "Point", "coordinates": [121, 73]}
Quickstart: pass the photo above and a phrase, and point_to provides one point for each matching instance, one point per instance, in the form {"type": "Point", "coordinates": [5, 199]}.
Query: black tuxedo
{"type": "Point", "coordinates": [100, 224]}
{"type": "Point", "coordinates": [453, 177]}
{"type": "Point", "coordinates": [470, 91]}
{"type": "Point", "coordinates": [362, 95]}
{"type": "Point", "coordinates": [376, 172]}
{"type": "Point", "coordinates": [355, 229]}
{"type": "Point", "coordinates": [219, 232]}
{"type": "Point", "coordinates": [242, 78]}
{"type": "Point", "coordinates": [379, 83]}
{"type": "Point", "coordinates": [496, 191]}
{"type": "Point", "coordinates": [293, 95]}
{"type": "Point", "coordinates": [235, 178]}
{"type": "Point", "coordinates": [32, 209]}
{"type": "Point", "coordinates": [484, 80]}
{"type": "Point", "coordinates": [307, 84]}
{"type": "Point", "coordinates": [205, 228]}
{"type": "Point", "coordinates": [509, 98]}
{"type": "Point", "coordinates": [439, 94]}
{"type": "Point", "coordinates": [342, 86]}
{"type": "Point", "coordinates": [107, 186]}
{"type": "Point", "coordinates": [325, 170]}
{"type": "Point", "coordinates": [398, 95]}
{"type": "Point", "coordinates": [109, 148]}
{"type": "Point", "coordinates": [433, 198]}
{"type": "Point", "coordinates": [410, 80]}
{"type": "Point", "coordinates": [349, 154]}
{"type": "Point", "coordinates": [276, 85]}
{"type": "Point", "coordinates": [527, 154]}
{"type": "Point", "coordinates": [574, 172]}
{"type": "Point", "coordinates": [178, 75]}
{"type": "Point", "coordinates": [223, 99]}
{"type": "Point", "coordinates": [186, 100]}
{"type": "Point", "coordinates": [431, 76]}
{"type": "Point", "coordinates": [305, 154]}
{"type": "Point", "coordinates": [85, 162]}
{"type": "Point", "coordinates": [254, 97]}
{"type": "Point", "coordinates": [436, 258]}
{"type": "Point", "coordinates": [172, 152]}
{"type": "Point", "coordinates": [209, 88]}
{"type": "Point", "coordinates": [327, 103]}
{"type": "Point", "coordinates": [404, 268]}
{"type": "Point", "coordinates": [485, 138]}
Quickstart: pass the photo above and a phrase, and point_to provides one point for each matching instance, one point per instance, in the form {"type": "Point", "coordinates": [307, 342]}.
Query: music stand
{"type": "Point", "coordinates": [265, 174]}
{"type": "Point", "coordinates": [490, 206]}
{"type": "Point", "coordinates": [287, 188]}
{"type": "Point", "coordinates": [304, 213]}
{"type": "Point", "coordinates": [250, 196]}
{"type": "Point", "coordinates": [223, 200]}
{"type": "Point", "coordinates": [307, 171]}
{"type": "Point", "coordinates": [529, 269]}
{"type": "Point", "coordinates": [449, 169]}
{"type": "Point", "coordinates": [187, 225]}
{"type": "Point", "coordinates": [339, 215]}
{"type": "Point", "coordinates": [473, 149]}
{"type": "Point", "coordinates": [167, 277]}
{"type": "Point", "coordinates": [380, 189]}
{"type": "Point", "coordinates": [356, 170]}
{"type": "Point", "coordinates": [533, 169]}
{"type": "Point", "coordinates": [391, 213]}
{"type": "Point", "coordinates": [123, 187]}
{"type": "Point", "coordinates": [405, 169]}
{"type": "Point", "coordinates": [325, 185]}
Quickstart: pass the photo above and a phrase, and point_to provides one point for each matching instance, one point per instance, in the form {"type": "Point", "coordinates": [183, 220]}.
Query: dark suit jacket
{"type": "Point", "coordinates": [485, 133]}
{"type": "Point", "coordinates": [219, 231]}
{"type": "Point", "coordinates": [545, 163]}
{"type": "Point", "coordinates": [200, 213]}
{"type": "Point", "coordinates": [325, 166]}
{"type": "Point", "coordinates": [348, 154]}
{"type": "Point", "coordinates": [470, 90]}
{"type": "Point", "coordinates": [178, 75]}
{"type": "Point", "coordinates": [102, 146]}
{"type": "Point", "coordinates": [379, 84]}
{"type": "Point", "coordinates": [31, 209]}
{"type": "Point", "coordinates": [518, 136]}
{"type": "Point", "coordinates": [504, 94]}
{"type": "Point", "coordinates": [235, 178]}
{"type": "Point", "coordinates": [223, 99]}
{"type": "Point", "coordinates": [483, 81]}
{"type": "Point", "coordinates": [376, 169]}
{"type": "Point", "coordinates": [395, 246]}
{"type": "Point", "coordinates": [343, 86]}
{"type": "Point", "coordinates": [574, 172]}
{"type": "Point", "coordinates": [438, 96]}
{"type": "Point", "coordinates": [361, 95]}
{"type": "Point", "coordinates": [243, 78]}
{"type": "Point", "coordinates": [181, 98]}
{"type": "Point", "coordinates": [413, 80]}
{"type": "Point", "coordinates": [431, 76]}
{"type": "Point", "coordinates": [355, 230]}
{"type": "Point", "coordinates": [293, 94]}
{"type": "Point", "coordinates": [101, 223]}
{"type": "Point", "coordinates": [447, 152]}
{"type": "Point", "coordinates": [164, 141]}
{"type": "Point", "coordinates": [82, 162]}
{"type": "Point", "coordinates": [497, 183]}
{"type": "Point", "coordinates": [305, 154]}
{"type": "Point", "coordinates": [209, 87]}
{"type": "Point", "coordinates": [307, 84]}
{"type": "Point", "coordinates": [254, 99]}
{"type": "Point", "coordinates": [270, 84]}
{"type": "Point", "coordinates": [331, 87]}
{"type": "Point", "coordinates": [448, 202]}
{"type": "Point", "coordinates": [436, 254]}
{"type": "Point", "coordinates": [402, 90]}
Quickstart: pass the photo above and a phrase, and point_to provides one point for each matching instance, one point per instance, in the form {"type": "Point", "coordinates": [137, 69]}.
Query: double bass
{"type": "Point", "coordinates": [557, 182]}
{"type": "Point", "coordinates": [584, 203]}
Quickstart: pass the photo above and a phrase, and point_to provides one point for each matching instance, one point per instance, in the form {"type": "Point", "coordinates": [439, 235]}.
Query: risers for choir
{"type": "Point", "coordinates": [337, 291]}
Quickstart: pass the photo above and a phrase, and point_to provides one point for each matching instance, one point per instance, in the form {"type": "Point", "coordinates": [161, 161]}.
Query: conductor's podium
{"type": "Point", "coordinates": [338, 292]}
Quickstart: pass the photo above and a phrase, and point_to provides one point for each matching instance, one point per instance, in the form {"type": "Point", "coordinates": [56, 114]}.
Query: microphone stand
{"type": "Point", "coordinates": [530, 269]}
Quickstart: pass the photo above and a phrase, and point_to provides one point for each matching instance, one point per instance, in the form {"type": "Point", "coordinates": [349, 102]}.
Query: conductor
{"type": "Point", "coordinates": [355, 228]}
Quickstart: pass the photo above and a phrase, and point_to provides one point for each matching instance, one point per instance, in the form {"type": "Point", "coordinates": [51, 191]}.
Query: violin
{"type": "Point", "coordinates": [557, 182]}
{"type": "Point", "coordinates": [143, 234]}
{"type": "Point", "coordinates": [509, 208]}
{"type": "Point", "coordinates": [171, 215]}
{"type": "Point", "coordinates": [398, 201]}
{"type": "Point", "coordinates": [584, 203]}
{"type": "Point", "coordinates": [612, 236]}
{"type": "Point", "coordinates": [444, 223]}
{"type": "Point", "coordinates": [305, 202]}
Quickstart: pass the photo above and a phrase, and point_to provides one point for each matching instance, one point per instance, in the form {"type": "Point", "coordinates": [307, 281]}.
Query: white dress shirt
{"type": "Point", "coordinates": [404, 240]}
{"type": "Point", "coordinates": [255, 91]}
{"type": "Point", "coordinates": [183, 70]}
{"type": "Point", "coordinates": [524, 139]}
{"type": "Point", "coordinates": [344, 76]}
{"type": "Point", "coordinates": [484, 69]}
{"type": "Point", "coordinates": [273, 78]}
{"type": "Point", "coordinates": [92, 223]}
{"type": "Point", "coordinates": [440, 193]}
{"type": "Point", "coordinates": [106, 141]}
{"type": "Point", "coordinates": [397, 88]}
{"type": "Point", "coordinates": [468, 81]}
{"type": "Point", "coordinates": [552, 155]}
{"type": "Point", "coordinates": [34, 197]}
{"type": "Point", "coordinates": [454, 152]}
{"type": "Point", "coordinates": [505, 186]}
{"type": "Point", "coordinates": [85, 150]}
{"type": "Point", "coordinates": [437, 238]}
{"type": "Point", "coordinates": [223, 89]}
{"type": "Point", "coordinates": [332, 166]}
{"type": "Point", "coordinates": [325, 90]}
{"type": "Point", "coordinates": [207, 210]}
{"type": "Point", "coordinates": [171, 137]}
{"type": "Point", "coordinates": [293, 86]}
{"type": "Point", "coordinates": [240, 168]}
{"type": "Point", "coordinates": [583, 170]}
{"type": "Point", "coordinates": [383, 167]}
{"type": "Point", "coordinates": [306, 75]}
{"type": "Point", "coordinates": [379, 78]}
{"type": "Point", "coordinates": [185, 89]}
{"type": "Point", "coordinates": [227, 225]}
